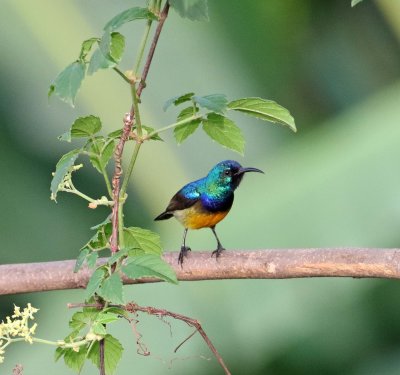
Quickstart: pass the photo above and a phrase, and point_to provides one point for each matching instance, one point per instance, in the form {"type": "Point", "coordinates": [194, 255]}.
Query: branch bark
{"type": "Point", "coordinates": [259, 264]}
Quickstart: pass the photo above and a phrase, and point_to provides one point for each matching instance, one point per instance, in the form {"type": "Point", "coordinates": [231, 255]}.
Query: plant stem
{"type": "Point", "coordinates": [142, 47]}
{"type": "Point", "coordinates": [130, 168]}
{"type": "Point", "coordinates": [124, 77]}
{"type": "Point", "coordinates": [174, 125]}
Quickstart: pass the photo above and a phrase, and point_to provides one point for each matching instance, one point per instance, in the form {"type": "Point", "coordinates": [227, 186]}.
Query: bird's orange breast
{"type": "Point", "coordinates": [195, 217]}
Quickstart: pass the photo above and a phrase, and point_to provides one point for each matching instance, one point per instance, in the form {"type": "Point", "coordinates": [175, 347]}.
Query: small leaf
{"type": "Point", "coordinates": [265, 110]}
{"type": "Point", "coordinates": [215, 102]}
{"type": "Point", "coordinates": [176, 100]}
{"type": "Point", "coordinates": [112, 289]}
{"type": "Point", "coordinates": [85, 127]}
{"type": "Point", "coordinates": [115, 134]}
{"type": "Point", "coordinates": [195, 10]}
{"type": "Point", "coordinates": [149, 130]}
{"type": "Point", "coordinates": [86, 47]}
{"type": "Point", "coordinates": [81, 258]}
{"type": "Point", "coordinates": [78, 321]}
{"type": "Point", "coordinates": [181, 132]}
{"type": "Point", "coordinates": [99, 329]}
{"type": "Point", "coordinates": [62, 168]}
{"type": "Point", "coordinates": [103, 223]}
{"type": "Point", "coordinates": [224, 131]}
{"type": "Point", "coordinates": [150, 265]}
{"type": "Point", "coordinates": [112, 353]}
{"type": "Point", "coordinates": [128, 16]}
{"type": "Point", "coordinates": [95, 281]}
{"type": "Point", "coordinates": [104, 150]}
{"type": "Point", "coordinates": [59, 353]}
{"type": "Point", "coordinates": [68, 82]}
{"type": "Point", "coordinates": [112, 46]}
{"type": "Point", "coordinates": [75, 360]}
{"type": "Point", "coordinates": [146, 240]}
{"type": "Point", "coordinates": [116, 256]}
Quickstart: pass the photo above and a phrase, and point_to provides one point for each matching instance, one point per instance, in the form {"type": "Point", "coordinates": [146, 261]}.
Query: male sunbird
{"type": "Point", "coordinates": [204, 203]}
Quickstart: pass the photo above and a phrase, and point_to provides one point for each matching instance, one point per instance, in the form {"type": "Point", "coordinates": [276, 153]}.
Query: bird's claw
{"type": "Point", "coordinates": [217, 252]}
{"type": "Point", "coordinates": [183, 254]}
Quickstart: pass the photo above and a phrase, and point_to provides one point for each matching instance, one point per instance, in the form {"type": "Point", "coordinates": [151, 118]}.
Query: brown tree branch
{"type": "Point", "coordinates": [259, 264]}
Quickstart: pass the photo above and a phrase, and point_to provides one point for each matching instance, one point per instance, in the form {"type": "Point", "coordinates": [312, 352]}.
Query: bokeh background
{"type": "Point", "coordinates": [334, 183]}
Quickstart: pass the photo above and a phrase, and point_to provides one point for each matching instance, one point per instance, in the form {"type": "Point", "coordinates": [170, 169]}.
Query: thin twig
{"type": "Point", "coordinates": [101, 354]}
{"type": "Point", "coordinates": [133, 308]}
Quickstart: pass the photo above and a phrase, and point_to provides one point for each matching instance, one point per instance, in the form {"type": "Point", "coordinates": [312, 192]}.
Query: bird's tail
{"type": "Point", "coordinates": [164, 216]}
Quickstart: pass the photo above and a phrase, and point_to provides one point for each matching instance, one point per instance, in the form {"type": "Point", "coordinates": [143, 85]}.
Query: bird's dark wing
{"type": "Point", "coordinates": [184, 198]}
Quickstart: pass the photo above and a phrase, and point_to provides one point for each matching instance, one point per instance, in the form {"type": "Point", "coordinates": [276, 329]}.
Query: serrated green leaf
{"type": "Point", "coordinates": [95, 282]}
{"type": "Point", "coordinates": [143, 239]}
{"type": "Point", "coordinates": [176, 100]}
{"type": "Point", "coordinates": [149, 265]}
{"type": "Point", "coordinates": [112, 289]}
{"type": "Point", "coordinates": [195, 10]}
{"type": "Point", "coordinates": [68, 82]}
{"type": "Point", "coordinates": [265, 110]}
{"type": "Point", "coordinates": [128, 16]}
{"type": "Point", "coordinates": [86, 47]}
{"type": "Point", "coordinates": [78, 321]}
{"type": "Point", "coordinates": [181, 132]}
{"type": "Point", "coordinates": [85, 126]}
{"type": "Point", "coordinates": [75, 360]}
{"type": "Point", "coordinates": [81, 259]}
{"type": "Point", "coordinates": [215, 102]}
{"type": "Point", "coordinates": [112, 353]}
{"type": "Point", "coordinates": [100, 240]}
{"type": "Point", "coordinates": [62, 168]}
{"type": "Point", "coordinates": [224, 131]}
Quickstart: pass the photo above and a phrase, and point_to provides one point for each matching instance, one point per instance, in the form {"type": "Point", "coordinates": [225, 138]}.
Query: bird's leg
{"type": "Point", "coordinates": [220, 248]}
{"type": "Point", "coordinates": [184, 248]}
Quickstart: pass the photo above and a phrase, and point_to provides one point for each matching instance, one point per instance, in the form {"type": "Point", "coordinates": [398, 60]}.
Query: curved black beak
{"type": "Point", "coordinates": [249, 169]}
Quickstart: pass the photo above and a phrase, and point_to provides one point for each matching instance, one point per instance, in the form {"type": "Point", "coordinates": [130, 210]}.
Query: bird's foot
{"type": "Point", "coordinates": [217, 252]}
{"type": "Point", "coordinates": [183, 254]}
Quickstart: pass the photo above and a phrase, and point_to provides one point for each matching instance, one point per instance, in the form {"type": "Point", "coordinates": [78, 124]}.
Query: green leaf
{"type": "Point", "coordinates": [115, 134]}
{"type": "Point", "coordinates": [62, 169]}
{"type": "Point", "coordinates": [112, 353]}
{"type": "Point", "coordinates": [100, 240]}
{"type": "Point", "coordinates": [99, 329]}
{"type": "Point", "coordinates": [59, 353]}
{"type": "Point", "coordinates": [75, 360]}
{"type": "Point", "coordinates": [355, 2]}
{"type": "Point", "coordinates": [85, 126]}
{"type": "Point", "coordinates": [181, 132]}
{"type": "Point", "coordinates": [128, 16]}
{"type": "Point", "coordinates": [95, 282]}
{"type": "Point", "coordinates": [81, 258]}
{"type": "Point", "coordinates": [148, 130]}
{"type": "Point", "coordinates": [143, 239]}
{"type": "Point", "coordinates": [104, 149]}
{"type": "Point", "coordinates": [149, 265]}
{"type": "Point", "coordinates": [99, 61]}
{"type": "Point", "coordinates": [92, 259]}
{"type": "Point", "coordinates": [112, 289]}
{"type": "Point", "coordinates": [68, 82]}
{"type": "Point", "coordinates": [116, 256]}
{"type": "Point", "coordinates": [265, 110]}
{"type": "Point", "coordinates": [215, 102]}
{"type": "Point", "coordinates": [224, 131]}
{"type": "Point", "coordinates": [105, 318]}
{"type": "Point", "coordinates": [86, 47]}
{"type": "Point", "coordinates": [195, 10]}
{"type": "Point", "coordinates": [112, 46]}
{"type": "Point", "coordinates": [176, 100]}
{"type": "Point", "coordinates": [78, 321]}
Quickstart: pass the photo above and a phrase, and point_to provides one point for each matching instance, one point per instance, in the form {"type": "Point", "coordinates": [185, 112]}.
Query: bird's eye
{"type": "Point", "coordinates": [227, 172]}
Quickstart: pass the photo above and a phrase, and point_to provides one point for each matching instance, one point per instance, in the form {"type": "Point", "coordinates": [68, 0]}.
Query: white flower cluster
{"type": "Point", "coordinates": [17, 328]}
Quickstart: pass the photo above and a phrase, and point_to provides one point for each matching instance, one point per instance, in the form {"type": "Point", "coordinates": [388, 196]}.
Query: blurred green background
{"type": "Point", "coordinates": [335, 183]}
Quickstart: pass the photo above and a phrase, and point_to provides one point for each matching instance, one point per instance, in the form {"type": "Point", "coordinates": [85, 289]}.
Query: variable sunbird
{"type": "Point", "coordinates": [204, 203]}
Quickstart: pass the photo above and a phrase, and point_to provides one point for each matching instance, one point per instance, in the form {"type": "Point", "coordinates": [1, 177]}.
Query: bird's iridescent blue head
{"type": "Point", "coordinates": [227, 175]}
